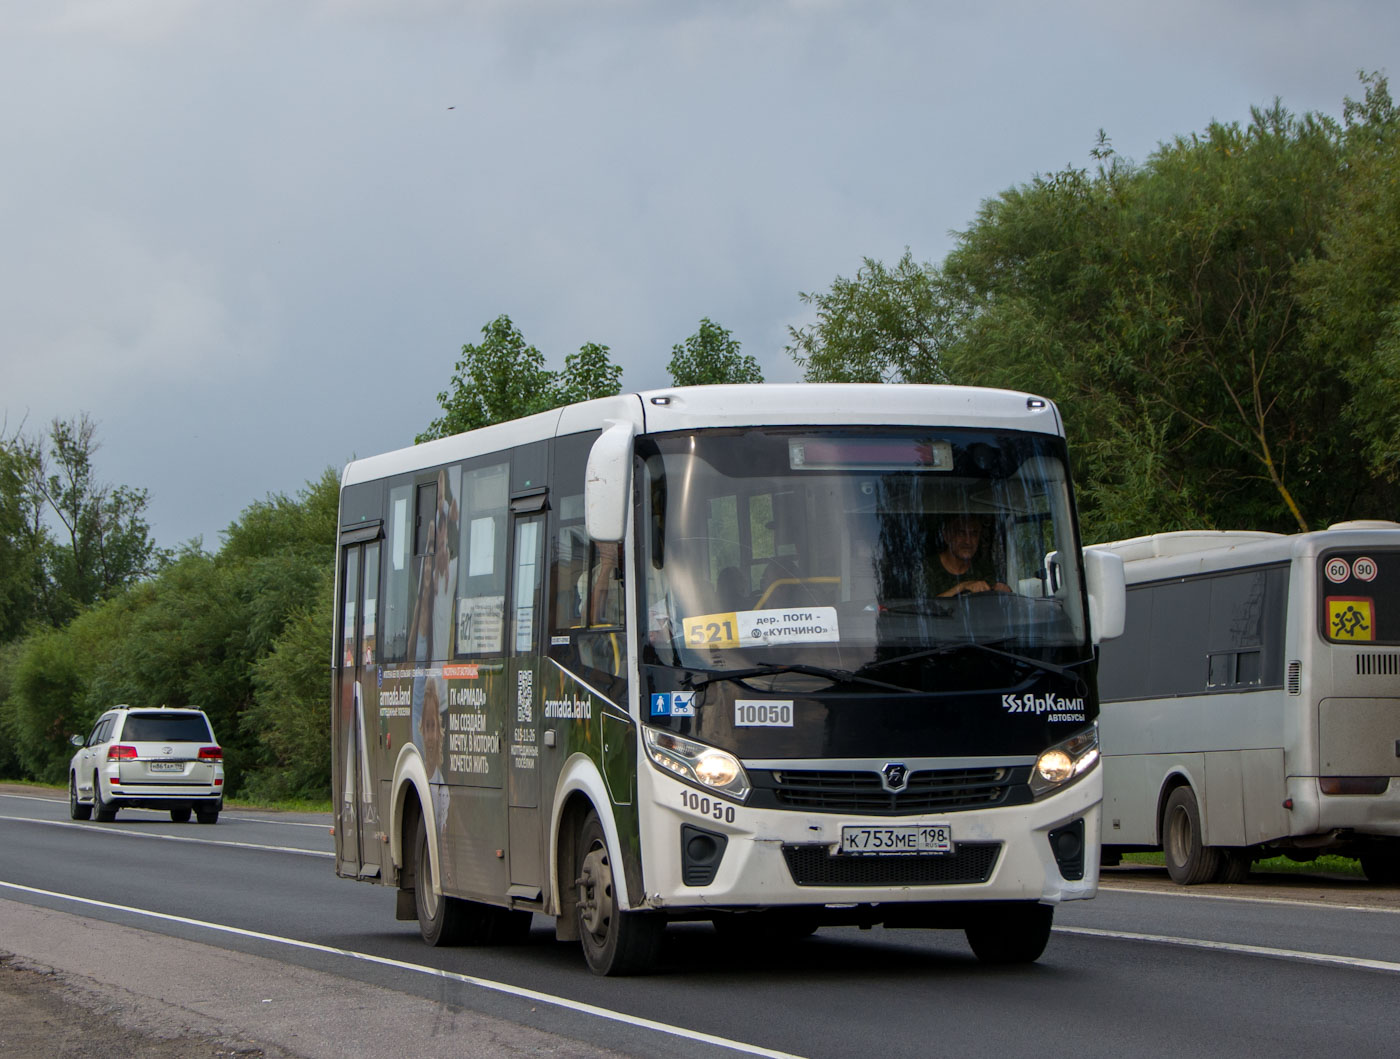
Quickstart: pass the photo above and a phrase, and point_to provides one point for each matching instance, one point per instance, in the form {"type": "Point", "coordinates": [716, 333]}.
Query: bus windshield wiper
{"type": "Point", "coordinates": [840, 676]}
{"type": "Point", "coordinates": [949, 648]}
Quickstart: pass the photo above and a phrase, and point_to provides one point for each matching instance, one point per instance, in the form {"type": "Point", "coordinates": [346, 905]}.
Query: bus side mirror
{"type": "Point", "coordinates": [1108, 594]}
{"type": "Point", "coordinates": [607, 488]}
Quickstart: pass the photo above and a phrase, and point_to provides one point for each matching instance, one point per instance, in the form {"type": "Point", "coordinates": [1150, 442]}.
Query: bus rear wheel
{"type": "Point", "coordinates": [1012, 933]}
{"type": "Point", "coordinates": [1234, 865]}
{"type": "Point", "coordinates": [1382, 864]}
{"type": "Point", "coordinates": [444, 920]}
{"type": "Point", "coordinates": [1189, 861]}
{"type": "Point", "coordinates": [614, 942]}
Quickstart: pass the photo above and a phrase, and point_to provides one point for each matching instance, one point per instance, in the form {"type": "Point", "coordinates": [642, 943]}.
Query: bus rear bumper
{"type": "Point", "coordinates": [1313, 812]}
{"type": "Point", "coordinates": [1047, 851]}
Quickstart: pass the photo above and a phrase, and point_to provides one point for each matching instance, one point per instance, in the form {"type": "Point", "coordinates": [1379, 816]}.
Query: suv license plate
{"type": "Point", "coordinates": [166, 766]}
{"type": "Point", "coordinates": [881, 841]}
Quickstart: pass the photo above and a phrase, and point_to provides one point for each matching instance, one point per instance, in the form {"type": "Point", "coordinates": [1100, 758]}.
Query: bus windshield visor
{"type": "Point", "coordinates": [847, 549]}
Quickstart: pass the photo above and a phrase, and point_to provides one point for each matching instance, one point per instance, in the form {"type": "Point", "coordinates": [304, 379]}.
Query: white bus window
{"type": "Point", "coordinates": [398, 581]}
{"type": "Point", "coordinates": [481, 586]}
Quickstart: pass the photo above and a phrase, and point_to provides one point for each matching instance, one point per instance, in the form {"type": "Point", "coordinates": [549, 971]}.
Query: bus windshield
{"type": "Point", "coordinates": [854, 549]}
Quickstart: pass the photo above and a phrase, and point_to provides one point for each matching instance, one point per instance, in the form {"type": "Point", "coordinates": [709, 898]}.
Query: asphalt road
{"type": "Point", "coordinates": [252, 905]}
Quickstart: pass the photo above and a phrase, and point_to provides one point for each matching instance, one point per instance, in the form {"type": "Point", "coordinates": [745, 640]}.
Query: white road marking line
{"type": "Point", "coordinates": [242, 815]}
{"type": "Point", "coordinates": [113, 829]}
{"type": "Point", "coordinates": [384, 961]}
{"type": "Point", "coordinates": [1229, 946]}
{"type": "Point", "coordinates": [1251, 900]}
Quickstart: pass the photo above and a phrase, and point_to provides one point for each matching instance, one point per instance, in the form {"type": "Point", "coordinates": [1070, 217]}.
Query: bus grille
{"type": "Point", "coordinates": [1378, 665]}
{"type": "Point", "coordinates": [971, 862]}
{"type": "Point", "coordinates": [930, 791]}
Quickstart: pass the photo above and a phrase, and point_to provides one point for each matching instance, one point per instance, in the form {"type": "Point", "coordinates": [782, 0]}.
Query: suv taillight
{"type": "Point", "coordinates": [211, 753]}
{"type": "Point", "coordinates": [121, 753]}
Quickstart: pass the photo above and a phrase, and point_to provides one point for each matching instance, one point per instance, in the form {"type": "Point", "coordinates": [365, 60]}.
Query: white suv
{"type": "Point", "coordinates": [152, 758]}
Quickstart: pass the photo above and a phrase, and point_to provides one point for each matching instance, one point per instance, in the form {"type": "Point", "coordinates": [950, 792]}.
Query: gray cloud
{"type": "Point", "coordinates": [251, 238]}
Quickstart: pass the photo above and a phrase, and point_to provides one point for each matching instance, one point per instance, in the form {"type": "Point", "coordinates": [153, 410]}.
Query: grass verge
{"type": "Point", "coordinates": [1326, 862]}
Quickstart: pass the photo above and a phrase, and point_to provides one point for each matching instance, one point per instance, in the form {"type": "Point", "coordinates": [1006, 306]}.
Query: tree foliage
{"type": "Point", "coordinates": [503, 377]}
{"type": "Point", "coordinates": [711, 355]}
{"type": "Point", "coordinates": [885, 325]}
{"type": "Point", "coordinates": [21, 540]}
{"type": "Point", "coordinates": [199, 634]}
{"type": "Point", "coordinates": [1217, 324]}
{"type": "Point", "coordinates": [67, 539]}
{"type": "Point", "coordinates": [1351, 288]}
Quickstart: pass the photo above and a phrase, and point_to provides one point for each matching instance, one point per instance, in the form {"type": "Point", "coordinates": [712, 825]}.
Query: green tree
{"type": "Point", "coordinates": [1351, 288]}
{"type": "Point", "coordinates": [588, 374]}
{"type": "Point", "coordinates": [885, 325]}
{"type": "Point", "coordinates": [194, 635]}
{"type": "Point", "coordinates": [711, 355]}
{"type": "Point", "coordinates": [503, 377]}
{"type": "Point", "coordinates": [1216, 324]}
{"type": "Point", "coordinates": [291, 704]}
{"type": "Point", "coordinates": [105, 543]}
{"type": "Point", "coordinates": [1160, 305]}
{"type": "Point", "coordinates": [22, 540]}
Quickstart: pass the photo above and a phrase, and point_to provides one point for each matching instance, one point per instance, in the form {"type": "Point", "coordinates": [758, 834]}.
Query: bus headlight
{"type": "Point", "coordinates": [1065, 762]}
{"type": "Point", "coordinates": [705, 766]}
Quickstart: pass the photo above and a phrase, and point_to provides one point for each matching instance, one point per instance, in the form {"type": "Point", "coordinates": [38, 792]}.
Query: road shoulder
{"type": "Point", "coordinates": [191, 999]}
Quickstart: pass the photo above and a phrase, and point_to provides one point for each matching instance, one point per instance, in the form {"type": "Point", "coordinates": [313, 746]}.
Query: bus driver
{"type": "Point", "coordinates": [956, 569]}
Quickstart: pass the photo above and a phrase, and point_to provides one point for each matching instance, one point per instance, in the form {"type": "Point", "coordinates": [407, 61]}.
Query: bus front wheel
{"type": "Point", "coordinates": [1189, 860]}
{"type": "Point", "coordinates": [614, 942]}
{"type": "Point", "coordinates": [1012, 933]}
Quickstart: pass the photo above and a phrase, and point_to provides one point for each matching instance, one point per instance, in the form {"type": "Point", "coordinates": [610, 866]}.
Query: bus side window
{"type": "Point", "coordinates": [604, 596]}
{"type": "Point", "coordinates": [570, 570]}
{"type": "Point", "coordinates": [481, 564]}
{"type": "Point", "coordinates": [398, 575]}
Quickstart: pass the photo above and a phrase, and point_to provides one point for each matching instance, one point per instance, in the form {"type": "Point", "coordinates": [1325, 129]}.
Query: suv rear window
{"type": "Point", "coordinates": [166, 728]}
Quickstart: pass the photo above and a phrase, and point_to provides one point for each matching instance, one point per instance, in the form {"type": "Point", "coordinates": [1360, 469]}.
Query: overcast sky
{"type": "Point", "coordinates": [250, 238]}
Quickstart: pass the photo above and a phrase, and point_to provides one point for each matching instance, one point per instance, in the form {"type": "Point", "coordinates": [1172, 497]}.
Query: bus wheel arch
{"type": "Point", "coordinates": [575, 811]}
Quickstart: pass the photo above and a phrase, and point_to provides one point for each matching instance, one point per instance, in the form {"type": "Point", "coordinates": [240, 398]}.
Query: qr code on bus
{"type": "Point", "coordinates": [525, 697]}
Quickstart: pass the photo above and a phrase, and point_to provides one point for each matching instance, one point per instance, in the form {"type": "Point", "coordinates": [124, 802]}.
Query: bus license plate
{"type": "Point", "coordinates": [877, 841]}
{"type": "Point", "coordinates": [166, 766]}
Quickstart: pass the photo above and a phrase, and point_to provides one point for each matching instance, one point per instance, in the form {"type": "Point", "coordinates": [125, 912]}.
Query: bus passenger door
{"type": "Point", "coordinates": [522, 770]}
{"type": "Point", "coordinates": [357, 821]}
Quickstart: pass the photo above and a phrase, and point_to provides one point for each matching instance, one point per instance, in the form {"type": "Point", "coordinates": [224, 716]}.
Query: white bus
{"type": "Point", "coordinates": [1252, 706]}
{"type": "Point", "coordinates": [678, 655]}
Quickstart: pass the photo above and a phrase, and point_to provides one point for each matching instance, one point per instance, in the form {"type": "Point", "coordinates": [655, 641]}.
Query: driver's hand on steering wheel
{"type": "Point", "coordinates": [975, 587]}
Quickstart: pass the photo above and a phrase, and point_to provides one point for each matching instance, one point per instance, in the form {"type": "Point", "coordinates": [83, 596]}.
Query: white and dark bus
{"type": "Point", "coordinates": [678, 655]}
{"type": "Point", "coordinates": [1252, 706]}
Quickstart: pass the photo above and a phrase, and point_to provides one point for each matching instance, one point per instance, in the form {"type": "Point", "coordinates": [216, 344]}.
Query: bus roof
{"type": "Point", "coordinates": [1185, 552]}
{"type": "Point", "coordinates": [766, 404]}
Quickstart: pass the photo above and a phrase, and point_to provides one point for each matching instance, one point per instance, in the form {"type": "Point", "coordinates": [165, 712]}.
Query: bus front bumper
{"type": "Point", "coordinates": [755, 858]}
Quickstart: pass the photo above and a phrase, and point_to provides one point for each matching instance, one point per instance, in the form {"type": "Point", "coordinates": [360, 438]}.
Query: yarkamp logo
{"type": "Point", "coordinates": [1038, 704]}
